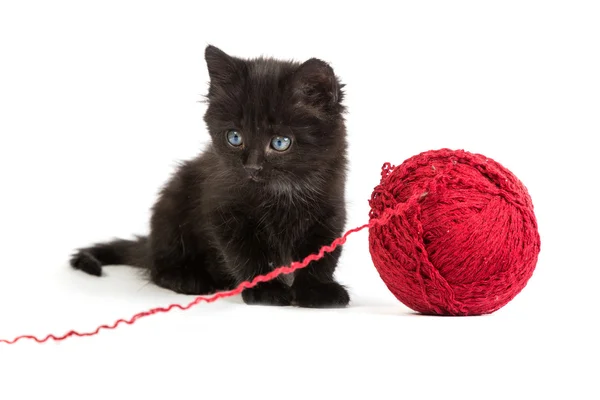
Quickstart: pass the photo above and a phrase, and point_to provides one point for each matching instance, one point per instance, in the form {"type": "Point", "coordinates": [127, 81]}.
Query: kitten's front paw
{"type": "Point", "coordinates": [268, 293]}
{"type": "Point", "coordinates": [321, 295]}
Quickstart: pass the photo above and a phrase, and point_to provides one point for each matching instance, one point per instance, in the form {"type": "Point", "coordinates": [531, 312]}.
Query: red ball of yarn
{"type": "Point", "coordinates": [463, 239]}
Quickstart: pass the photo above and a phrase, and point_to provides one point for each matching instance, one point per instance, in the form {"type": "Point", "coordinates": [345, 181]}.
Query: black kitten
{"type": "Point", "coordinates": [268, 190]}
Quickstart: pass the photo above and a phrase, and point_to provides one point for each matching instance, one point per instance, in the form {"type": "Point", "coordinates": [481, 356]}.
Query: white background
{"type": "Point", "coordinates": [99, 100]}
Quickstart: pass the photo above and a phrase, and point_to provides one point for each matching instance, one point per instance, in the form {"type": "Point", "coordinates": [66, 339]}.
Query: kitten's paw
{"type": "Point", "coordinates": [268, 293]}
{"type": "Point", "coordinates": [84, 261]}
{"type": "Point", "coordinates": [321, 295]}
{"type": "Point", "coordinates": [184, 281]}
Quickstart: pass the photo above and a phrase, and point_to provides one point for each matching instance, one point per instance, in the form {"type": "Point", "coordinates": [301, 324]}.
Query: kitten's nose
{"type": "Point", "coordinates": [253, 170]}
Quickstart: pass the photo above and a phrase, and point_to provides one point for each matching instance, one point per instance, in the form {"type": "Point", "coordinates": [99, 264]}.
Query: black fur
{"type": "Point", "coordinates": [236, 212]}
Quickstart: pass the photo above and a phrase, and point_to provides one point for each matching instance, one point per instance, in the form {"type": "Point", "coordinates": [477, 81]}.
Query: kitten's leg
{"type": "Point", "coordinates": [193, 281]}
{"type": "Point", "coordinates": [252, 260]}
{"type": "Point", "coordinates": [314, 286]}
{"type": "Point", "coordinates": [246, 257]}
{"type": "Point", "coordinates": [177, 265]}
{"type": "Point", "coordinates": [178, 262]}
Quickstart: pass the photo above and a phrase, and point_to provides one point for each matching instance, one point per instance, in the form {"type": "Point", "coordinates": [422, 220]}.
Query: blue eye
{"type": "Point", "coordinates": [234, 138]}
{"type": "Point", "coordinates": [281, 143]}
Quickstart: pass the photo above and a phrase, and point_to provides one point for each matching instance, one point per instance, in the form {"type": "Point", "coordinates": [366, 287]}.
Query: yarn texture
{"type": "Point", "coordinates": [465, 241]}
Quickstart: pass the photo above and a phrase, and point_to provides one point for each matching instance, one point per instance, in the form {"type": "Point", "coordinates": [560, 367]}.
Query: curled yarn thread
{"type": "Point", "coordinates": [219, 295]}
{"type": "Point", "coordinates": [466, 242]}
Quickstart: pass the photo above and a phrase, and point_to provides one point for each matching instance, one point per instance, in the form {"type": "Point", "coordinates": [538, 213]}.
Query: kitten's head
{"type": "Point", "coordinates": [274, 122]}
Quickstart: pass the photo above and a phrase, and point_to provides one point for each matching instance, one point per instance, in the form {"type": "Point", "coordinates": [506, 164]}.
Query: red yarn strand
{"type": "Point", "coordinates": [212, 298]}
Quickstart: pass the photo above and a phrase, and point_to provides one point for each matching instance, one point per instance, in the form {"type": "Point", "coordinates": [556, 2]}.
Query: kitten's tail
{"type": "Point", "coordinates": [117, 252]}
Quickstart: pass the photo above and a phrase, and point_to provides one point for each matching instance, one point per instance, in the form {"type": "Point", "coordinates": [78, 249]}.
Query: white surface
{"type": "Point", "coordinates": [98, 102]}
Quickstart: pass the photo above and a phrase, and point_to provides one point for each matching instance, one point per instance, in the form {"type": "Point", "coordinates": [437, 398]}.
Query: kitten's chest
{"type": "Point", "coordinates": [281, 232]}
{"type": "Point", "coordinates": [283, 226]}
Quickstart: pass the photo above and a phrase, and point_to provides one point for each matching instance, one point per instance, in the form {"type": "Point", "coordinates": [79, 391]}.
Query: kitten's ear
{"type": "Point", "coordinates": [316, 80]}
{"type": "Point", "coordinates": [222, 68]}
